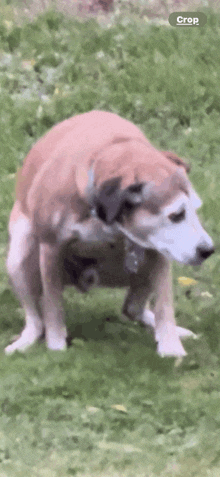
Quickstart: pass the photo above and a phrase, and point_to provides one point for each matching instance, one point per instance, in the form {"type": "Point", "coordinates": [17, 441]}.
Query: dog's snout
{"type": "Point", "coordinates": [203, 252]}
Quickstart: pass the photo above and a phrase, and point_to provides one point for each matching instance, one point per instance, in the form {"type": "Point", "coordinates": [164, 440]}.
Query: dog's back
{"type": "Point", "coordinates": [85, 134]}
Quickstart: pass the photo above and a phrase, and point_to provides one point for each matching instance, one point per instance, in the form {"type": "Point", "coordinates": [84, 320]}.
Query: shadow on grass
{"type": "Point", "coordinates": [98, 321]}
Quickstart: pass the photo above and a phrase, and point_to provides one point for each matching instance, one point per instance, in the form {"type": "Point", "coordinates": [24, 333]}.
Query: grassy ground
{"type": "Point", "coordinates": [109, 406]}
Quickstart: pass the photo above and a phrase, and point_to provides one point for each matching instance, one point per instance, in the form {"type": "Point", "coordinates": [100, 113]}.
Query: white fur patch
{"type": "Point", "coordinates": [167, 337]}
{"type": "Point", "coordinates": [168, 342]}
{"type": "Point", "coordinates": [29, 335]}
{"type": "Point", "coordinates": [20, 242]}
{"type": "Point", "coordinates": [55, 339]}
{"type": "Point", "coordinates": [195, 199]}
{"type": "Point", "coordinates": [180, 241]}
{"type": "Point", "coordinates": [176, 205]}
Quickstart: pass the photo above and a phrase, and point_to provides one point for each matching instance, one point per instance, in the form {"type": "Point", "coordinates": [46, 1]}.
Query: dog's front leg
{"type": "Point", "coordinates": [140, 291]}
{"type": "Point", "coordinates": [166, 331]}
{"type": "Point", "coordinates": [55, 330]}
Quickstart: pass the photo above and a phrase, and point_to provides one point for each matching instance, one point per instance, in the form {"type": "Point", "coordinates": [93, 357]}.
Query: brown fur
{"type": "Point", "coordinates": [53, 206]}
{"type": "Point", "coordinates": [54, 172]}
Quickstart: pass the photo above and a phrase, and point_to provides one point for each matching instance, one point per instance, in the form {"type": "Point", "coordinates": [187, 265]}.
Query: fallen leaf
{"type": "Point", "coordinates": [92, 409]}
{"type": "Point", "coordinates": [185, 281]}
{"type": "Point", "coordinates": [119, 407]}
{"type": "Point", "coordinates": [206, 293]}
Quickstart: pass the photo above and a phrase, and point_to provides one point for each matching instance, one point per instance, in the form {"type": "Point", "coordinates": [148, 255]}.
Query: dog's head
{"type": "Point", "coordinates": [161, 217]}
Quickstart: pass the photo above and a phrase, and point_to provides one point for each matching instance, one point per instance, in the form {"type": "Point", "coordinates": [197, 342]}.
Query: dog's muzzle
{"type": "Point", "coordinates": [202, 253]}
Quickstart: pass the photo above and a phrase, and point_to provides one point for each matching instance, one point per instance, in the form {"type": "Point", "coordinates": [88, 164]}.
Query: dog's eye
{"type": "Point", "coordinates": [176, 218]}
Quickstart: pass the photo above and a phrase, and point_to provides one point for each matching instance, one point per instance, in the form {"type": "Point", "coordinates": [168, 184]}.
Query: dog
{"type": "Point", "coordinates": [98, 205]}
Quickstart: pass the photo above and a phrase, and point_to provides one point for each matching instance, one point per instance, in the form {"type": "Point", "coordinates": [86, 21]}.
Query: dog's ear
{"type": "Point", "coordinates": [174, 158]}
{"type": "Point", "coordinates": [111, 199]}
{"type": "Point", "coordinates": [108, 201]}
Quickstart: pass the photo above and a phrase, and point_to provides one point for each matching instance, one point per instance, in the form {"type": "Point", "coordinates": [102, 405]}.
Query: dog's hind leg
{"type": "Point", "coordinates": [55, 330]}
{"type": "Point", "coordinates": [24, 272]}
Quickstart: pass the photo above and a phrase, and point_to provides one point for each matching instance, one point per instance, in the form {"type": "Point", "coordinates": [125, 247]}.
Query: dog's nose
{"type": "Point", "coordinates": [203, 252]}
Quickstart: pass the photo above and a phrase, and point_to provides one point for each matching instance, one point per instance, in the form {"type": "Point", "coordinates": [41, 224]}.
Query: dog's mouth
{"type": "Point", "coordinates": [200, 256]}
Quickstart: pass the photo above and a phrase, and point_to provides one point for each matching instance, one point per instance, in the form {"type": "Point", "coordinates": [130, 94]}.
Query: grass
{"type": "Point", "coordinates": [109, 406]}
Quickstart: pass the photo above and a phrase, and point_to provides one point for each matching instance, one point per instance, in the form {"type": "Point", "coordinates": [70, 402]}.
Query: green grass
{"type": "Point", "coordinates": [56, 414]}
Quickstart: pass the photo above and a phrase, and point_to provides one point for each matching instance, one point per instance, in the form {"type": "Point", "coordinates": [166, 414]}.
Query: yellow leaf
{"type": "Point", "coordinates": [186, 281]}
{"type": "Point", "coordinates": [56, 91]}
{"type": "Point", "coordinates": [119, 407]}
{"type": "Point", "coordinates": [92, 409]}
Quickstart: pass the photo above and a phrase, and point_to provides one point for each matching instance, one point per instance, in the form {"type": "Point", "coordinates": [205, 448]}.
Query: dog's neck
{"type": "Point", "coordinates": [134, 247]}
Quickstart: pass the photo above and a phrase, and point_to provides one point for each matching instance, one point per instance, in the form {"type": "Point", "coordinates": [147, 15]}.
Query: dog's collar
{"type": "Point", "coordinates": [134, 250]}
{"type": "Point", "coordinates": [134, 256]}
{"type": "Point", "coordinates": [131, 237]}
{"type": "Point", "coordinates": [134, 247]}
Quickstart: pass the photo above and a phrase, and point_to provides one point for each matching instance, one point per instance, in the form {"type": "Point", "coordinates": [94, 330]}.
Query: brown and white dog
{"type": "Point", "coordinates": [97, 204]}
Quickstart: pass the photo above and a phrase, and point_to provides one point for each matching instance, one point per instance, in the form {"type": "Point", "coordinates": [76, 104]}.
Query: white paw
{"type": "Point", "coordinates": [56, 341]}
{"type": "Point", "coordinates": [28, 336]}
{"type": "Point", "coordinates": [184, 333]}
{"type": "Point", "coordinates": [148, 318]}
{"type": "Point", "coordinates": [168, 342]}
{"type": "Point", "coordinates": [170, 348]}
